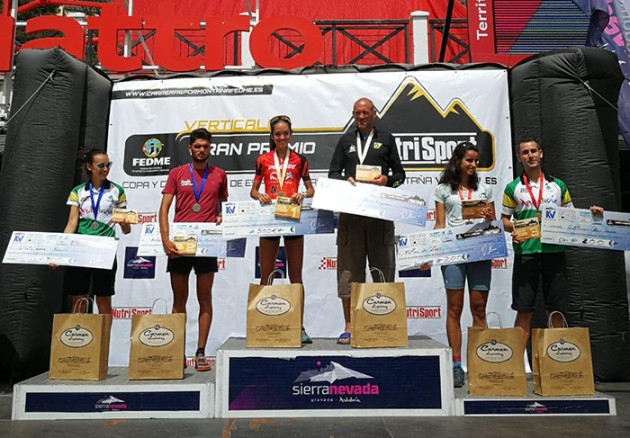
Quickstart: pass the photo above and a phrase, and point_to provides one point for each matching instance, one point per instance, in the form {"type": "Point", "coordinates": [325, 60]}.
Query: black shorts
{"type": "Point", "coordinates": [78, 280]}
{"type": "Point", "coordinates": [183, 265]}
{"type": "Point", "coordinates": [528, 269]}
{"type": "Point", "coordinates": [277, 238]}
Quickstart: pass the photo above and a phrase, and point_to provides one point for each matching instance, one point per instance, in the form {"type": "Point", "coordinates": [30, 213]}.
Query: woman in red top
{"type": "Point", "coordinates": [281, 170]}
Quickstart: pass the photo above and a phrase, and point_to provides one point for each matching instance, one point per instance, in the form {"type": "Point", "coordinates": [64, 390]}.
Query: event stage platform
{"type": "Point", "coordinates": [471, 405]}
{"type": "Point", "coordinates": [318, 380]}
{"type": "Point", "coordinates": [39, 398]}
{"type": "Point", "coordinates": [325, 379]}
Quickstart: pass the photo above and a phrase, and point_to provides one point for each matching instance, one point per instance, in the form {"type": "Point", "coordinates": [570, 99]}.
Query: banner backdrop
{"type": "Point", "coordinates": [428, 112]}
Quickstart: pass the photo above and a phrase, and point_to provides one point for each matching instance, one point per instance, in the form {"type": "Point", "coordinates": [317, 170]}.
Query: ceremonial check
{"type": "Point", "coordinates": [206, 238]}
{"type": "Point", "coordinates": [370, 200]}
{"type": "Point", "coordinates": [450, 246]}
{"type": "Point", "coordinates": [251, 218]}
{"type": "Point", "coordinates": [33, 248]}
{"type": "Point", "coordinates": [579, 227]}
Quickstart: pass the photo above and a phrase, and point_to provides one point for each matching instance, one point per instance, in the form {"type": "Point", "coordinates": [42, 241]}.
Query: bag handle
{"type": "Point", "coordinates": [87, 300]}
{"type": "Point", "coordinates": [380, 273]}
{"type": "Point", "coordinates": [158, 300]}
{"type": "Point", "coordinates": [272, 276]}
{"type": "Point", "coordinates": [498, 318]}
{"type": "Point", "coordinates": [550, 320]}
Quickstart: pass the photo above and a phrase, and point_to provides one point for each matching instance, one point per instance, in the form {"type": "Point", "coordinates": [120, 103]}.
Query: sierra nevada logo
{"type": "Point", "coordinates": [324, 382]}
{"type": "Point", "coordinates": [273, 306]}
{"type": "Point", "coordinates": [563, 351]}
{"type": "Point", "coordinates": [379, 304]}
{"type": "Point", "coordinates": [494, 352]}
{"type": "Point", "coordinates": [157, 336]}
{"type": "Point", "coordinates": [425, 134]}
{"type": "Point", "coordinates": [76, 337]}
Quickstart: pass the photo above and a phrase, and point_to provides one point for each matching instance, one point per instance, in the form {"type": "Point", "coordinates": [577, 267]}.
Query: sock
{"type": "Point", "coordinates": [457, 364]}
{"type": "Point", "coordinates": [200, 352]}
{"type": "Point", "coordinates": [457, 361]}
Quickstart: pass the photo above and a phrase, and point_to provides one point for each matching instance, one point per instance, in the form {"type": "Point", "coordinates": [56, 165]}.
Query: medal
{"type": "Point", "coordinates": [197, 207]}
{"type": "Point", "coordinates": [281, 171]}
{"type": "Point", "coordinates": [361, 151]}
{"type": "Point", "coordinates": [95, 225]}
{"type": "Point", "coordinates": [541, 185]}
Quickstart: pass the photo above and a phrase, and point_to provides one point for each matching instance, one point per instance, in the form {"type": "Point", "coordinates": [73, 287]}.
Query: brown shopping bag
{"type": "Point", "coordinates": [495, 361]}
{"type": "Point", "coordinates": [79, 348]}
{"type": "Point", "coordinates": [562, 362]}
{"type": "Point", "coordinates": [157, 346]}
{"type": "Point", "coordinates": [378, 314]}
{"type": "Point", "coordinates": [274, 315]}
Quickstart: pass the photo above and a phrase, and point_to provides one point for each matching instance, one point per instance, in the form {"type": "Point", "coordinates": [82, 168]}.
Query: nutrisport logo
{"type": "Point", "coordinates": [425, 134]}
{"type": "Point", "coordinates": [334, 383]}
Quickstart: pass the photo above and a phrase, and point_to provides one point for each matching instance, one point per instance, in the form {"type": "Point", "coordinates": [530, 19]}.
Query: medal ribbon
{"type": "Point", "coordinates": [282, 172]}
{"type": "Point", "coordinates": [461, 194]}
{"type": "Point", "coordinates": [361, 152]}
{"type": "Point", "coordinates": [194, 183]}
{"type": "Point", "coordinates": [531, 193]}
{"type": "Point", "coordinates": [100, 196]}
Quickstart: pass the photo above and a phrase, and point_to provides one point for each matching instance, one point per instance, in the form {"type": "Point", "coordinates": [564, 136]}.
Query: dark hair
{"type": "Point", "coordinates": [450, 174]}
{"type": "Point", "coordinates": [272, 124]}
{"type": "Point", "coordinates": [87, 157]}
{"type": "Point", "coordinates": [526, 139]}
{"type": "Point", "coordinates": [200, 134]}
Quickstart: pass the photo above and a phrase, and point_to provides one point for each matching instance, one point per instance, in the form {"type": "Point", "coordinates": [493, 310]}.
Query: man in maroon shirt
{"type": "Point", "coordinates": [198, 189]}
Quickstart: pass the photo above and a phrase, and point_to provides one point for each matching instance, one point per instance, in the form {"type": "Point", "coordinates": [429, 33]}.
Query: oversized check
{"type": "Point", "coordinates": [579, 227]}
{"type": "Point", "coordinates": [450, 246]}
{"type": "Point", "coordinates": [209, 235]}
{"type": "Point", "coordinates": [370, 200]}
{"type": "Point", "coordinates": [251, 218]}
{"type": "Point", "coordinates": [35, 248]}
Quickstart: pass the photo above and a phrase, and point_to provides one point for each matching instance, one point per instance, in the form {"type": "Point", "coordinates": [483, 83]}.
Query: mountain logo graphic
{"type": "Point", "coordinates": [330, 374]}
{"type": "Point", "coordinates": [109, 400]}
{"type": "Point", "coordinates": [139, 261]}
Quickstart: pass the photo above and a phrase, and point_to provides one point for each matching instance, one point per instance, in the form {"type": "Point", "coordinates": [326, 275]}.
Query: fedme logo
{"type": "Point", "coordinates": [148, 156]}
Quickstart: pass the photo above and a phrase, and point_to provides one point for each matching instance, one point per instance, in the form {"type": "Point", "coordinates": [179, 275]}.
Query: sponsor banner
{"type": "Point", "coordinates": [128, 312]}
{"type": "Point", "coordinates": [138, 266]}
{"type": "Point", "coordinates": [428, 112]}
{"type": "Point", "coordinates": [424, 312]}
{"type": "Point", "coordinates": [334, 382]}
{"type": "Point", "coordinates": [111, 401]}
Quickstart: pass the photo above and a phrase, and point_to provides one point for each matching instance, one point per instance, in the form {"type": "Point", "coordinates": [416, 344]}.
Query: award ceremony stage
{"type": "Point", "coordinates": [318, 380]}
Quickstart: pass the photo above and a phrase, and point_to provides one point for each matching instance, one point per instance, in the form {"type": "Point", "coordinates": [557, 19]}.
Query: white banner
{"type": "Point", "coordinates": [428, 112]}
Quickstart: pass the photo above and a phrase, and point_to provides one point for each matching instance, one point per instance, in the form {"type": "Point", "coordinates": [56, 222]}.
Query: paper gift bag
{"type": "Point", "coordinates": [495, 362]}
{"type": "Point", "coordinates": [378, 314]}
{"type": "Point", "coordinates": [79, 348]}
{"type": "Point", "coordinates": [157, 346]}
{"type": "Point", "coordinates": [562, 362]}
{"type": "Point", "coordinates": [274, 315]}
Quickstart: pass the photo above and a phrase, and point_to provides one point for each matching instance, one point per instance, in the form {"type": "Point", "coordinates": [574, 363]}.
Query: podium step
{"type": "Point", "coordinates": [117, 397]}
{"type": "Point", "coordinates": [327, 379]}
{"type": "Point", "coordinates": [470, 405]}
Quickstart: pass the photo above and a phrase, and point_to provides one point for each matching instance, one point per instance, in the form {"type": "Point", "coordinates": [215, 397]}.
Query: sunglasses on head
{"type": "Point", "coordinates": [276, 119]}
{"type": "Point", "coordinates": [104, 165]}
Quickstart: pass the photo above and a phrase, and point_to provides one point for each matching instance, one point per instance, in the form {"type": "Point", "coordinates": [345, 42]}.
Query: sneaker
{"type": "Point", "coordinates": [458, 376]}
{"type": "Point", "coordinates": [306, 339]}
